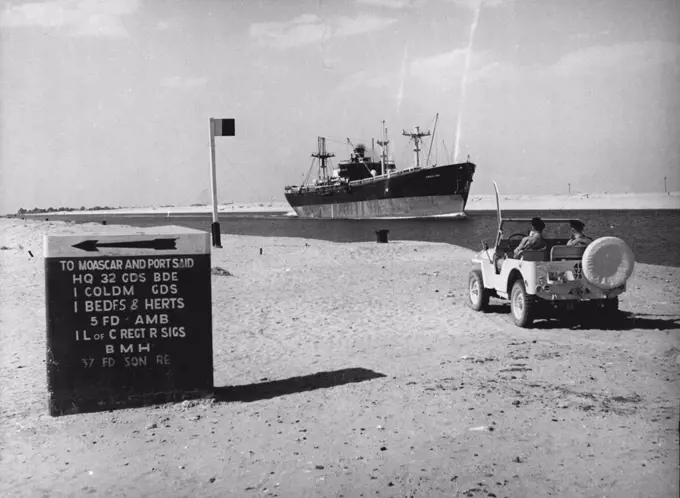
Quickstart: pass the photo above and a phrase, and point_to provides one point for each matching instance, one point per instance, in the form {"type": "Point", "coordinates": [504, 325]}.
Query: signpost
{"type": "Point", "coordinates": [129, 318]}
{"type": "Point", "coordinates": [219, 128]}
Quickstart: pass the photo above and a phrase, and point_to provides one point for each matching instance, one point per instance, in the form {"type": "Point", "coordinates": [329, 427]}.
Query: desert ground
{"type": "Point", "coordinates": [346, 370]}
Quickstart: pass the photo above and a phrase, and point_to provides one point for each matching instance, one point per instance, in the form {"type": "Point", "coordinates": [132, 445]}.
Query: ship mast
{"type": "Point", "coordinates": [322, 155]}
{"type": "Point", "coordinates": [383, 148]}
{"type": "Point", "coordinates": [417, 139]}
{"type": "Point", "coordinates": [434, 132]}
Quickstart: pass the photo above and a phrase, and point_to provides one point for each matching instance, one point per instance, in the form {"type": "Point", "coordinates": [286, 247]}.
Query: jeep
{"type": "Point", "coordinates": [559, 280]}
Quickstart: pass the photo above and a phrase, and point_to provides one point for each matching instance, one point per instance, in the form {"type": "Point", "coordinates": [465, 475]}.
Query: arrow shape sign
{"type": "Point", "coordinates": [157, 244]}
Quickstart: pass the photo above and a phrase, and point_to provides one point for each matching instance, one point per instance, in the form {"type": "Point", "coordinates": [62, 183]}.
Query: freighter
{"type": "Point", "coordinates": [361, 187]}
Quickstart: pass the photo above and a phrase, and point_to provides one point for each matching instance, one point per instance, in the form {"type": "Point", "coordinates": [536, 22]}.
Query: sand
{"type": "Point", "coordinates": [357, 370]}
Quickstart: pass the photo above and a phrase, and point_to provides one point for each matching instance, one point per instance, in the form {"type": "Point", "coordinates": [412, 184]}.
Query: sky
{"type": "Point", "coordinates": [107, 102]}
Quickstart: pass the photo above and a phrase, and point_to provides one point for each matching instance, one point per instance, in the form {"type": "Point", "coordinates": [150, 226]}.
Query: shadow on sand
{"type": "Point", "coordinates": [275, 388]}
{"type": "Point", "coordinates": [626, 321]}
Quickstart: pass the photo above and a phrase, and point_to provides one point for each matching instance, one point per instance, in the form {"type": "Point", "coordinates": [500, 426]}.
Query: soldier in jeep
{"type": "Point", "coordinates": [534, 241]}
{"type": "Point", "coordinates": [578, 238]}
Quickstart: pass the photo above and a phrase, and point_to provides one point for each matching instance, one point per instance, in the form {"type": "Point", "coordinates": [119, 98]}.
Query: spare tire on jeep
{"type": "Point", "coordinates": [608, 262]}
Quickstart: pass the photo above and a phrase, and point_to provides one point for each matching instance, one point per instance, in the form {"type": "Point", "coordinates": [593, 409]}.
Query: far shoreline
{"type": "Point", "coordinates": [476, 203]}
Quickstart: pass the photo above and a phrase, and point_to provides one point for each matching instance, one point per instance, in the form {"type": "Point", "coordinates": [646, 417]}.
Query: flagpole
{"type": "Point", "coordinates": [215, 227]}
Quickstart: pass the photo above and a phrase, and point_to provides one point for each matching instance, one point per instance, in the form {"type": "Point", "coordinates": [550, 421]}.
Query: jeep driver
{"type": "Point", "coordinates": [534, 241]}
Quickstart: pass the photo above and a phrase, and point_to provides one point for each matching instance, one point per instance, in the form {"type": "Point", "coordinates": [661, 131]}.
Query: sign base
{"type": "Point", "coordinates": [216, 237]}
{"type": "Point", "coordinates": [71, 403]}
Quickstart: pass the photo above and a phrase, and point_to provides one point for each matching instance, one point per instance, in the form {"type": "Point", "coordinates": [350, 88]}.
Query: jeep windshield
{"type": "Point", "coordinates": [557, 231]}
{"type": "Point", "coordinates": [554, 228]}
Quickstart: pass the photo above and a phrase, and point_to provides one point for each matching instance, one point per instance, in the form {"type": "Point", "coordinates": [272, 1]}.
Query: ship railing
{"type": "Point", "coordinates": [310, 188]}
{"type": "Point", "coordinates": [387, 175]}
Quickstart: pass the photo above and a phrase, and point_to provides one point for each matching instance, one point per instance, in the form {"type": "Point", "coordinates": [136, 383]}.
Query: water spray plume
{"type": "Point", "coordinates": [400, 94]}
{"type": "Point", "coordinates": [468, 56]}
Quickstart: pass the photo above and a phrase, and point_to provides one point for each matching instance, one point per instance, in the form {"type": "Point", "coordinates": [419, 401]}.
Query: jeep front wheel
{"type": "Point", "coordinates": [521, 305]}
{"type": "Point", "coordinates": [478, 296]}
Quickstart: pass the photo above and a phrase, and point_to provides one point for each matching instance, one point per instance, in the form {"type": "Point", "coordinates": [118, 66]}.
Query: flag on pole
{"type": "Point", "coordinates": [224, 127]}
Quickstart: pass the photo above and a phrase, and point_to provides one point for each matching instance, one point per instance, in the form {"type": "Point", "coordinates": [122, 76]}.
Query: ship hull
{"type": "Point", "coordinates": [402, 207]}
{"type": "Point", "coordinates": [425, 192]}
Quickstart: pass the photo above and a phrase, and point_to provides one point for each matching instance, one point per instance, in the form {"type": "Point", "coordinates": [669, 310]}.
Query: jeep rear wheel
{"type": "Point", "coordinates": [478, 296]}
{"type": "Point", "coordinates": [521, 305]}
